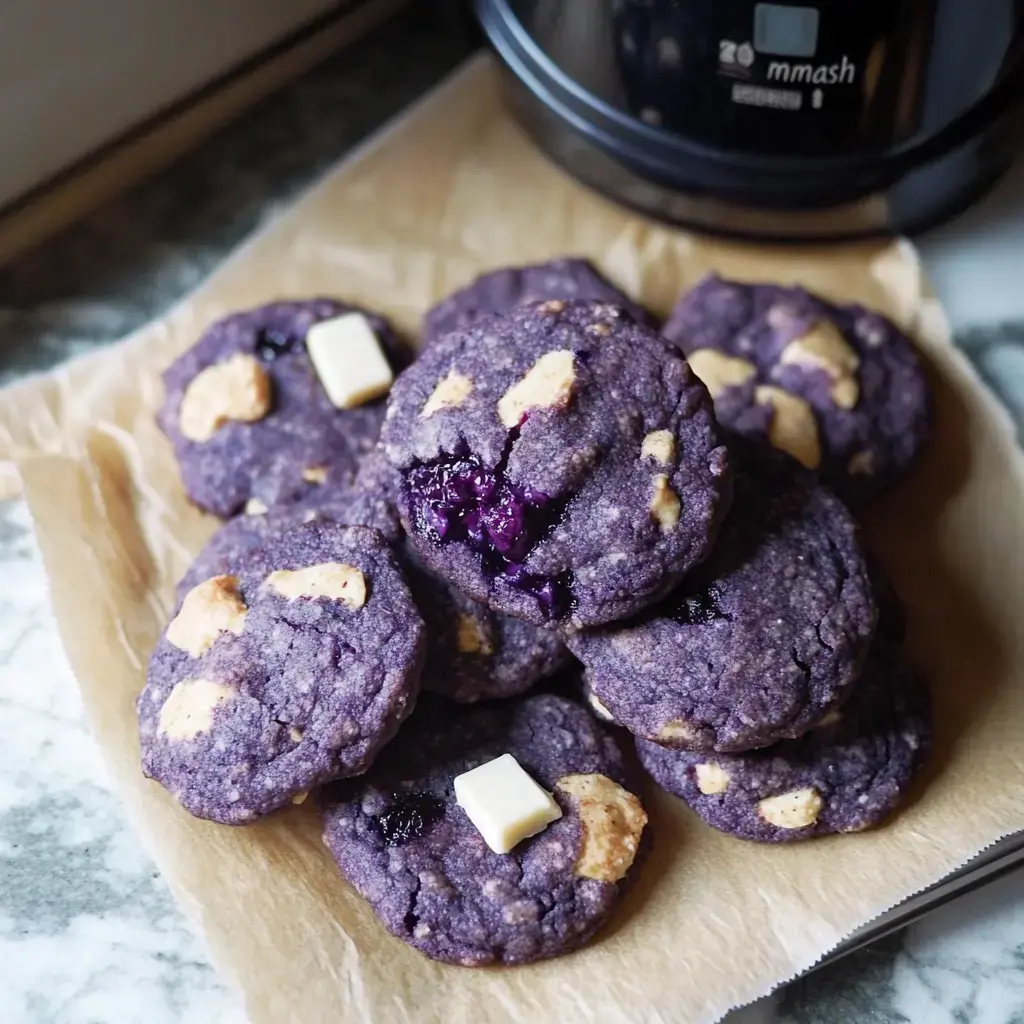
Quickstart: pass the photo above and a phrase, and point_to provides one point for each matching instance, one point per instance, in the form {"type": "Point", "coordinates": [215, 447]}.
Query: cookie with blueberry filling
{"type": "Point", "coordinates": [760, 643]}
{"type": "Point", "coordinates": [499, 291]}
{"type": "Point", "coordinates": [276, 401]}
{"type": "Point", "coordinates": [560, 463]}
{"type": "Point", "coordinates": [837, 387]}
{"type": "Point", "coordinates": [294, 669]}
{"type": "Point", "coordinates": [498, 833]}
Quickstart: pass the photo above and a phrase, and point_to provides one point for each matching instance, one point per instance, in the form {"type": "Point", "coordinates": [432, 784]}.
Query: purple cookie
{"type": "Point", "coordinates": [839, 388]}
{"type": "Point", "coordinates": [474, 653]}
{"type": "Point", "coordinates": [294, 670]}
{"type": "Point", "coordinates": [560, 463]}
{"type": "Point", "coordinates": [844, 776]}
{"type": "Point", "coordinates": [757, 645]}
{"type": "Point", "coordinates": [503, 290]}
{"type": "Point", "coordinates": [248, 417]}
{"type": "Point", "coordinates": [401, 839]}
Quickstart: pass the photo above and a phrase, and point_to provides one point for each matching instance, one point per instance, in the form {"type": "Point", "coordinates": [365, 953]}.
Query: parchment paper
{"type": "Point", "coordinates": [714, 922]}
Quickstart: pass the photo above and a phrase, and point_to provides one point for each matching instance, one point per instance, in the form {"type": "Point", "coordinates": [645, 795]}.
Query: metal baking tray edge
{"type": "Point", "coordinates": [999, 860]}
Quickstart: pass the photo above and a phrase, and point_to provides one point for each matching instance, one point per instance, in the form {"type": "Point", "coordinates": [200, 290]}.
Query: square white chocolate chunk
{"type": "Point", "coordinates": [349, 360]}
{"type": "Point", "coordinates": [504, 803]}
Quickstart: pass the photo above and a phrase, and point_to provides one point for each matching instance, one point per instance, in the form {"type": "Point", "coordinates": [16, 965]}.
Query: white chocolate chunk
{"type": "Point", "coordinates": [793, 430]}
{"type": "Point", "coordinates": [237, 389]}
{"type": "Point", "coordinates": [665, 505]}
{"type": "Point", "coordinates": [300, 798]}
{"type": "Point", "coordinates": [675, 730]}
{"type": "Point", "coordinates": [845, 392]}
{"type": "Point", "coordinates": [449, 394]}
{"type": "Point", "coordinates": [712, 779]}
{"type": "Point", "coordinates": [255, 507]}
{"type": "Point", "coordinates": [349, 360]}
{"type": "Point", "coordinates": [797, 809]}
{"type": "Point", "coordinates": [613, 820]}
{"type": "Point", "coordinates": [471, 638]}
{"type": "Point", "coordinates": [188, 710]}
{"type": "Point", "coordinates": [719, 371]}
{"type": "Point", "coordinates": [315, 474]}
{"type": "Point", "coordinates": [659, 445]}
{"type": "Point", "coordinates": [504, 803]}
{"type": "Point", "coordinates": [333, 580]}
{"type": "Point", "coordinates": [548, 385]}
{"type": "Point", "coordinates": [824, 348]}
{"type": "Point", "coordinates": [598, 707]}
{"type": "Point", "coordinates": [209, 609]}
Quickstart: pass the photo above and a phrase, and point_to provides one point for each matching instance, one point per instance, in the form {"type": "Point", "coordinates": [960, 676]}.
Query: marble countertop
{"type": "Point", "coordinates": [89, 933]}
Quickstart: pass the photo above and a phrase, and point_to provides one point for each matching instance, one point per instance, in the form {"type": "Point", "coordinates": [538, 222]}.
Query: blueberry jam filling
{"type": "Point", "coordinates": [271, 343]}
{"type": "Point", "coordinates": [456, 499]}
{"type": "Point", "coordinates": [410, 817]}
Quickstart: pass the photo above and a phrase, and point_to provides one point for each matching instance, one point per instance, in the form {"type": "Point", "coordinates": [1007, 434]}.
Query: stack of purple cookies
{"type": "Point", "coordinates": [450, 587]}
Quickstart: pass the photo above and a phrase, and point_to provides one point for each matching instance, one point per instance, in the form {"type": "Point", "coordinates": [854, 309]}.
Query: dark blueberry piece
{"type": "Point", "coordinates": [553, 598]}
{"type": "Point", "coordinates": [553, 594]}
{"type": "Point", "coordinates": [505, 524]}
{"type": "Point", "coordinates": [457, 499]}
{"type": "Point", "coordinates": [410, 817]}
{"type": "Point", "coordinates": [271, 343]}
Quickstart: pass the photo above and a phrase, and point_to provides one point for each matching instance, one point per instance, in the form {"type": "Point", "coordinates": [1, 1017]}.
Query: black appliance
{"type": "Point", "coordinates": [782, 121]}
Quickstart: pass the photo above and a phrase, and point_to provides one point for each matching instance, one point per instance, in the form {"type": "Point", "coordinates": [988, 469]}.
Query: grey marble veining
{"type": "Point", "coordinates": [89, 933]}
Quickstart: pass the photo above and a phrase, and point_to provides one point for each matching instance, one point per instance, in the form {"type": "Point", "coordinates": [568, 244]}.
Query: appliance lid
{"type": "Point", "coordinates": [765, 87]}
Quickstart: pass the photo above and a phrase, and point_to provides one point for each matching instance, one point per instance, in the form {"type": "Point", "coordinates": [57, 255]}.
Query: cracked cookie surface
{"type": "Point", "coordinates": [249, 417]}
{"type": "Point", "coordinates": [847, 775]}
{"type": "Point", "coordinates": [541, 490]}
{"type": "Point", "coordinates": [760, 642]}
{"type": "Point", "coordinates": [398, 835]}
{"type": "Point", "coordinates": [293, 668]}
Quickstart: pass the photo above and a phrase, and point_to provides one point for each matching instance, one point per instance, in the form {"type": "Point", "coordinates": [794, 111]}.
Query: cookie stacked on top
{"type": "Point", "coordinates": [549, 476]}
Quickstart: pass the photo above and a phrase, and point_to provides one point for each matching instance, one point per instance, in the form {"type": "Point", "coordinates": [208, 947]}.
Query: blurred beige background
{"type": "Point", "coordinates": [65, 65]}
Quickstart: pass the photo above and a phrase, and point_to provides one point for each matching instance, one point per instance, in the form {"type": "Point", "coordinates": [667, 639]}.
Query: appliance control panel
{"type": "Point", "coordinates": [786, 78]}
